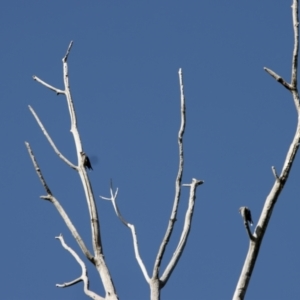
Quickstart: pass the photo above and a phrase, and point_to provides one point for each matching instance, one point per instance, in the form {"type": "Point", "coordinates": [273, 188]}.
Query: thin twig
{"type": "Point", "coordinates": [65, 58]}
{"type": "Point", "coordinates": [274, 173]}
{"type": "Point", "coordinates": [50, 140]}
{"type": "Point", "coordinates": [52, 88]}
{"type": "Point", "coordinates": [113, 199]}
{"type": "Point", "coordinates": [93, 213]}
{"type": "Point", "coordinates": [279, 79]}
{"type": "Point", "coordinates": [37, 169]}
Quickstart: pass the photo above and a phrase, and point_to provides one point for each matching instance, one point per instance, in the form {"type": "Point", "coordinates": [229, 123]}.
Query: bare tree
{"type": "Point", "coordinates": [157, 280]}
{"type": "Point", "coordinates": [280, 179]}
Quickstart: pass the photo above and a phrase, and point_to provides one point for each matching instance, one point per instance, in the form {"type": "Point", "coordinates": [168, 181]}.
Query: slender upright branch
{"type": "Point", "coordinates": [95, 225]}
{"type": "Point", "coordinates": [172, 219]}
{"type": "Point", "coordinates": [279, 183]}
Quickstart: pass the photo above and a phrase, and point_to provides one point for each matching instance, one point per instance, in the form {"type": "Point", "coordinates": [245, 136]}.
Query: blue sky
{"type": "Point", "coordinates": [124, 78]}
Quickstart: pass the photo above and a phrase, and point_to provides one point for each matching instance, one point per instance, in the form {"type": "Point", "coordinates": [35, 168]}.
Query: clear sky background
{"type": "Point", "coordinates": [124, 78]}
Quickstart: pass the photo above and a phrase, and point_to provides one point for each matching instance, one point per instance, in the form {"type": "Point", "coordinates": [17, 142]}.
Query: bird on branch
{"type": "Point", "coordinates": [86, 161]}
{"type": "Point", "coordinates": [246, 214]}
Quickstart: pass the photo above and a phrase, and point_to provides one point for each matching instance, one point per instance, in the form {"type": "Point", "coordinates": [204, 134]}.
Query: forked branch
{"type": "Point", "coordinates": [178, 183]}
{"type": "Point", "coordinates": [50, 197]}
{"type": "Point", "coordinates": [84, 273]}
{"type": "Point", "coordinates": [113, 199]}
{"type": "Point", "coordinates": [185, 232]}
{"type": "Point", "coordinates": [157, 283]}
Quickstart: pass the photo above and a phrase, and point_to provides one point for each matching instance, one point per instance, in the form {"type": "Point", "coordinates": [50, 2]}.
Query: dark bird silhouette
{"type": "Point", "coordinates": [246, 214]}
{"type": "Point", "coordinates": [86, 161]}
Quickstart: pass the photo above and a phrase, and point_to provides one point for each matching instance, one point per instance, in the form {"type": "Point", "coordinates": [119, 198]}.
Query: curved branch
{"type": "Point", "coordinates": [113, 198]}
{"type": "Point", "coordinates": [84, 273]}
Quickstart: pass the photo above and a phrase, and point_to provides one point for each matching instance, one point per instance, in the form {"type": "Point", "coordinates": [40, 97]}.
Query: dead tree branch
{"type": "Point", "coordinates": [50, 140]}
{"type": "Point", "coordinates": [98, 257]}
{"type": "Point", "coordinates": [156, 283]}
{"type": "Point", "coordinates": [161, 282]}
{"type": "Point", "coordinates": [279, 183]}
{"type": "Point", "coordinates": [84, 273]}
{"type": "Point", "coordinates": [113, 198]}
{"type": "Point", "coordinates": [58, 206]}
{"type": "Point", "coordinates": [184, 235]}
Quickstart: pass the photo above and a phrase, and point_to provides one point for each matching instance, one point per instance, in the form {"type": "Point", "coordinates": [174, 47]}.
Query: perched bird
{"type": "Point", "coordinates": [86, 161]}
{"type": "Point", "coordinates": [246, 214]}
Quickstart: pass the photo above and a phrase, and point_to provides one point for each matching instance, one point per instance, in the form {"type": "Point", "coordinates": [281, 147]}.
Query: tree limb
{"type": "Point", "coordinates": [279, 183]}
{"type": "Point", "coordinates": [155, 282]}
{"type": "Point", "coordinates": [184, 235]}
{"type": "Point", "coordinates": [84, 273]}
{"type": "Point", "coordinates": [58, 206]}
{"type": "Point", "coordinates": [113, 198]}
{"type": "Point", "coordinates": [94, 220]}
{"type": "Point", "coordinates": [172, 219]}
{"type": "Point", "coordinates": [52, 88]}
